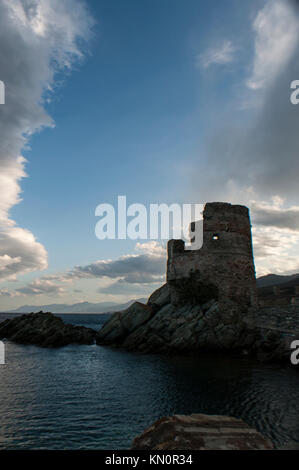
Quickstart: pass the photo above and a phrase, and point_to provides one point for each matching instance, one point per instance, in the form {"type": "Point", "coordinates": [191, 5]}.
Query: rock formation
{"type": "Point", "coordinates": [45, 330]}
{"type": "Point", "coordinates": [161, 326]}
{"type": "Point", "coordinates": [201, 432]}
{"type": "Point", "coordinates": [209, 295]}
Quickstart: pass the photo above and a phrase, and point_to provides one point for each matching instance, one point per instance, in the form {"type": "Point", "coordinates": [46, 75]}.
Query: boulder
{"type": "Point", "coordinates": [45, 330]}
{"type": "Point", "coordinates": [201, 432]}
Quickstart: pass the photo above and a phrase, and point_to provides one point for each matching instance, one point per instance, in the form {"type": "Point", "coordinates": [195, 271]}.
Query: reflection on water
{"type": "Point", "coordinates": [97, 398]}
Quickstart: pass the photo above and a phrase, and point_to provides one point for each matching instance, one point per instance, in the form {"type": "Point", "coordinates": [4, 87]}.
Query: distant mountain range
{"type": "Point", "coordinates": [106, 307]}
{"type": "Point", "coordinates": [81, 307]}
{"type": "Point", "coordinates": [275, 280]}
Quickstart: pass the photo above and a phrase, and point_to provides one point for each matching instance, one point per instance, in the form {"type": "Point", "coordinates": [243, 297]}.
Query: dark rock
{"type": "Point", "coordinates": [201, 432]}
{"type": "Point", "coordinates": [289, 446]}
{"type": "Point", "coordinates": [163, 327]}
{"type": "Point", "coordinates": [160, 297]}
{"type": "Point", "coordinates": [121, 324]}
{"type": "Point", "coordinates": [45, 330]}
{"type": "Point", "coordinates": [192, 290]}
{"type": "Point", "coordinates": [172, 328]}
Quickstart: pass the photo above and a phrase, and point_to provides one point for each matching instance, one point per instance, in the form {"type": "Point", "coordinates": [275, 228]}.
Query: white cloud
{"type": "Point", "coordinates": [7, 260]}
{"type": "Point", "coordinates": [37, 38]}
{"type": "Point", "coordinates": [7, 293]}
{"type": "Point", "coordinates": [25, 254]}
{"type": "Point", "coordinates": [275, 215]}
{"type": "Point", "coordinates": [275, 236]}
{"type": "Point", "coordinates": [152, 248]}
{"type": "Point", "coordinates": [144, 268]}
{"type": "Point", "coordinates": [42, 287]}
{"type": "Point", "coordinates": [275, 251]}
{"type": "Point", "coordinates": [218, 55]}
{"type": "Point", "coordinates": [276, 29]}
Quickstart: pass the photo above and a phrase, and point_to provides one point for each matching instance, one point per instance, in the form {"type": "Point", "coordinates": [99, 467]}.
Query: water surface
{"type": "Point", "coordinates": [91, 397]}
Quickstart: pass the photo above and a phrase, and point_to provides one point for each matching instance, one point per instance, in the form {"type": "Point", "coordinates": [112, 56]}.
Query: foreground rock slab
{"type": "Point", "coordinates": [201, 432]}
{"type": "Point", "coordinates": [45, 330]}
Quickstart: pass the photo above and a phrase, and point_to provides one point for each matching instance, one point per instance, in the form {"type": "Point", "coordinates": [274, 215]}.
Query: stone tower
{"type": "Point", "coordinates": [223, 267]}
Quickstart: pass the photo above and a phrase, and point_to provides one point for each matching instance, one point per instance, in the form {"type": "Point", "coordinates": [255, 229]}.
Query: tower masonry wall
{"type": "Point", "coordinates": [225, 261]}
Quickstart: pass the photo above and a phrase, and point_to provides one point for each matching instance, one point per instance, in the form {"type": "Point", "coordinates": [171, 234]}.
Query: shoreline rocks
{"type": "Point", "coordinates": [161, 327]}
{"type": "Point", "coordinates": [44, 330]}
{"type": "Point", "coordinates": [201, 432]}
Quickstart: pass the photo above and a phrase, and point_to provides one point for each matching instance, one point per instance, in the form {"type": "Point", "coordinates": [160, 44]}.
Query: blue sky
{"type": "Point", "coordinates": [150, 90]}
{"type": "Point", "coordinates": [124, 120]}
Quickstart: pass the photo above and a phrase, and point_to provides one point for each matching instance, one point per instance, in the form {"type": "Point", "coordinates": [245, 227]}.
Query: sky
{"type": "Point", "coordinates": [163, 101]}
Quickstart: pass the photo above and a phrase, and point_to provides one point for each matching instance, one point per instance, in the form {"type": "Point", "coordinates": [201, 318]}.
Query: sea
{"type": "Point", "coordinates": [93, 397]}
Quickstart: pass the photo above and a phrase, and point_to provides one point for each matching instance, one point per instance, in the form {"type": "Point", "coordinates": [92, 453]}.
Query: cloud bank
{"type": "Point", "coordinates": [140, 271]}
{"type": "Point", "coordinates": [252, 157]}
{"type": "Point", "coordinates": [37, 39]}
{"type": "Point", "coordinates": [276, 36]}
{"type": "Point", "coordinates": [258, 156]}
{"type": "Point", "coordinates": [144, 268]}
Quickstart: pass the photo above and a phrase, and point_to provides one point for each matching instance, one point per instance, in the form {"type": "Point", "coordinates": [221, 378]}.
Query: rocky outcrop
{"type": "Point", "coordinates": [171, 328]}
{"type": "Point", "coordinates": [45, 330]}
{"type": "Point", "coordinates": [208, 293]}
{"type": "Point", "coordinates": [271, 345]}
{"type": "Point", "coordinates": [201, 432]}
{"type": "Point", "coordinates": [161, 327]}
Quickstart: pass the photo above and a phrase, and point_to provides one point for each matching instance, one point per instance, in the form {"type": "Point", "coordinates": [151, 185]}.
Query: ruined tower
{"type": "Point", "coordinates": [223, 267]}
